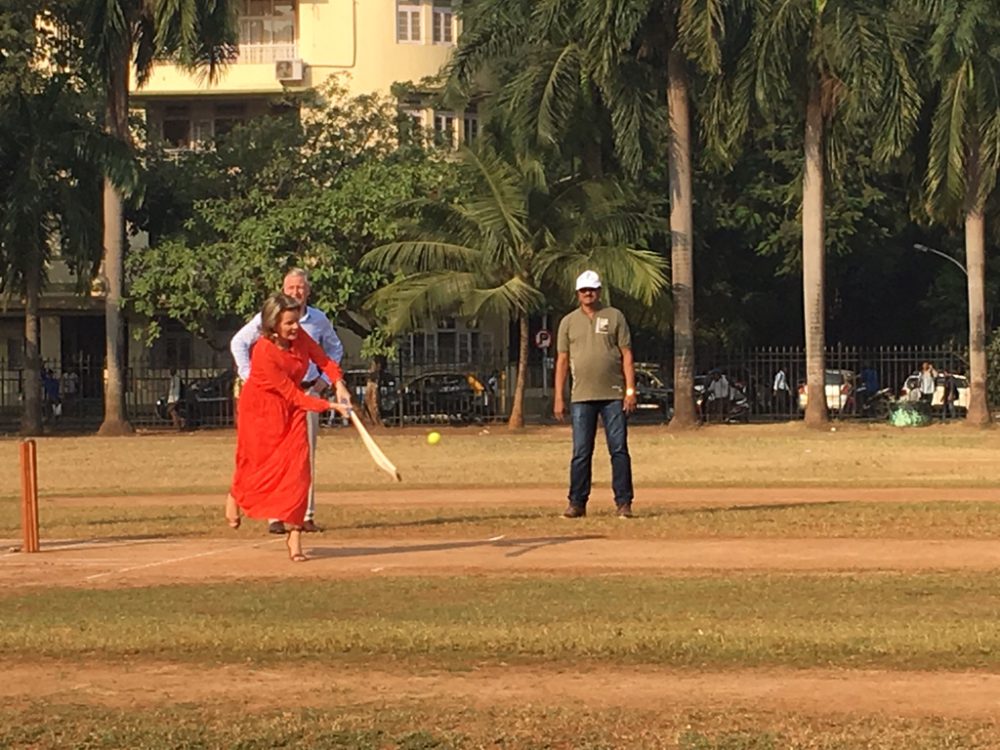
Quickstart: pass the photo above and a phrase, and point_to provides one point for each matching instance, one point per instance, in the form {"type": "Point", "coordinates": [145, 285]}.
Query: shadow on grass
{"type": "Point", "coordinates": [443, 521]}
{"type": "Point", "coordinates": [520, 546]}
{"type": "Point", "coordinates": [715, 510]}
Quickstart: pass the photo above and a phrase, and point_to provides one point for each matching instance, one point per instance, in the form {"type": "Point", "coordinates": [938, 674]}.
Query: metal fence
{"type": "Point", "coordinates": [419, 392]}
{"type": "Point", "coordinates": [753, 371]}
{"type": "Point", "coordinates": [434, 392]}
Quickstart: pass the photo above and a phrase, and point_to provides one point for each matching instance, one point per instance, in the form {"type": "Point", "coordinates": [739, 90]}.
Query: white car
{"type": "Point", "coordinates": [911, 390]}
{"type": "Point", "coordinates": [839, 388]}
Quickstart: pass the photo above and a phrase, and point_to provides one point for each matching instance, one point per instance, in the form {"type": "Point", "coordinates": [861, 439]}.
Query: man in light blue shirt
{"type": "Point", "coordinates": [318, 326]}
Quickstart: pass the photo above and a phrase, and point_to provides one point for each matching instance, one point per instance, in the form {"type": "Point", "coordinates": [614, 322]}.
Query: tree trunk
{"type": "Point", "coordinates": [516, 420]}
{"type": "Point", "coordinates": [975, 263]}
{"type": "Point", "coordinates": [813, 252]}
{"type": "Point", "coordinates": [372, 395]}
{"type": "Point", "coordinates": [681, 241]}
{"type": "Point", "coordinates": [115, 422]}
{"type": "Point", "coordinates": [31, 417]}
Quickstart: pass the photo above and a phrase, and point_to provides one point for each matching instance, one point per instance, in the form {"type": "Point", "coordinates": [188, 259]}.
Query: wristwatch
{"type": "Point", "coordinates": [630, 391]}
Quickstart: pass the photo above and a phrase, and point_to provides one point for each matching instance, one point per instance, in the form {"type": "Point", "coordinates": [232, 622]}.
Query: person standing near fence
{"type": "Point", "coordinates": [927, 382]}
{"type": "Point", "coordinates": [595, 345]}
{"type": "Point", "coordinates": [174, 392]}
{"type": "Point", "coordinates": [781, 393]}
{"type": "Point", "coordinates": [717, 396]}
{"type": "Point", "coordinates": [319, 328]}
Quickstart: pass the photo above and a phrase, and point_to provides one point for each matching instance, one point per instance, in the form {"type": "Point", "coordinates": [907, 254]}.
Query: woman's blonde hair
{"type": "Point", "coordinates": [271, 312]}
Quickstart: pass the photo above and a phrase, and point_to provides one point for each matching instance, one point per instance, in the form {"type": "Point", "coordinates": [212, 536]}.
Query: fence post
{"type": "Point", "coordinates": [29, 496]}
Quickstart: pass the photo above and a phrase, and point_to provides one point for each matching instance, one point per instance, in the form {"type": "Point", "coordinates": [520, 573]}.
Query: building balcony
{"type": "Point", "coordinates": [257, 54]}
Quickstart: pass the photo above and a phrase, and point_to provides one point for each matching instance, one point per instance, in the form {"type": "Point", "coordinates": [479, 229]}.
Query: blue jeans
{"type": "Point", "coordinates": [584, 431]}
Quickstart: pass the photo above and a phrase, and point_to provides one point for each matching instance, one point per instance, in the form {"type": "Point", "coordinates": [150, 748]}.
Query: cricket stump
{"type": "Point", "coordinates": [29, 496]}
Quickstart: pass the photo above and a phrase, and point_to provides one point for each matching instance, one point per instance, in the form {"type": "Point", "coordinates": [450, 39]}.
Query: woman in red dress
{"type": "Point", "coordinates": [272, 474]}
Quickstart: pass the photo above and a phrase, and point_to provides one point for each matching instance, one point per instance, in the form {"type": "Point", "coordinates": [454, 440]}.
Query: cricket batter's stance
{"type": "Point", "coordinates": [594, 344]}
{"type": "Point", "coordinates": [319, 328]}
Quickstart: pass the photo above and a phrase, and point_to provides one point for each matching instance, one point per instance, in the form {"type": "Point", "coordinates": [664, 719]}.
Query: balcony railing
{"type": "Point", "coordinates": [256, 54]}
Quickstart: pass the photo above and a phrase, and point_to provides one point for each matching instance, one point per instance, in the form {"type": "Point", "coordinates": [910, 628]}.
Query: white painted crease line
{"type": "Point", "coordinates": [112, 543]}
{"type": "Point", "coordinates": [172, 560]}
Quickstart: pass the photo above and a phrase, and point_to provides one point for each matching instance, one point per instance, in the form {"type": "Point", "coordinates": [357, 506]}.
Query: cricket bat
{"type": "Point", "coordinates": [376, 453]}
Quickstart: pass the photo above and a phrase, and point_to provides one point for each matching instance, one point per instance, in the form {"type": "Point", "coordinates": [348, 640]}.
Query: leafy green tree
{"type": "Point", "coordinates": [833, 61]}
{"type": "Point", "coordinates": [317, 191]}
{"type": "Point", "coordinates": [120, 35]}
{"type": "Point", "coordinates": [964, 152]}
{"type": "Point", "coordinates": [511, 241]}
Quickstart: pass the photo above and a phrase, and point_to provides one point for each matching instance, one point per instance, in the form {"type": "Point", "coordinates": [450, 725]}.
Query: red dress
{"type": "Point", "coordinates": [272, 474]}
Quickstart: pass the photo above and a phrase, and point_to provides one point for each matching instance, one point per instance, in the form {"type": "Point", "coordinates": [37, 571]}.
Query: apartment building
{"type": "Point", "coordinates": [287, 46]}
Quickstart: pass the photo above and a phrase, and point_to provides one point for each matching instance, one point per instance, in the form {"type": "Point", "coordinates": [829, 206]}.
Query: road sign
{"type": "Point", "coordinates": [543, 339]}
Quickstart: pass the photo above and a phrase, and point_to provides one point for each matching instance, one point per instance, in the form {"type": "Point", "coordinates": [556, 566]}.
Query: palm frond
{"type": "Point", "coordinates": [409, 302]}
{"type": "Point", "coordinates": [421, 256]}
{"type": "Point", "coordinates": [512, 298]}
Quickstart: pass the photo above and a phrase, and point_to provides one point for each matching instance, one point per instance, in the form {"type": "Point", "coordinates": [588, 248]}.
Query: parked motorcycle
{"type": "Point", "coordinates": [875, 405]}
{"type": "Point", "coordinates": [739, 404]}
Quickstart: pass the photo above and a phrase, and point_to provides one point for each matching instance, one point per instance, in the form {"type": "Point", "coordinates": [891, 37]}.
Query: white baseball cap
{"type": "Point", "coordinates": [588, 280]}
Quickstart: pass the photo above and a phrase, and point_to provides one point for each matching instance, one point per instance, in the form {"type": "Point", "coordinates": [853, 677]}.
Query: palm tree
{"type": "Point", "coordinates": [827, 59]}
{"type": "Point", "coordinates": [965, 151]}
{"type": "Point", "coordinates": [603, 62]}
{"type": "Point", "coordinates": [511, 240]}
{"type": "Point", "coordinates": [51, 158]}
{"type": "Point", "coordinates": [134, 34]}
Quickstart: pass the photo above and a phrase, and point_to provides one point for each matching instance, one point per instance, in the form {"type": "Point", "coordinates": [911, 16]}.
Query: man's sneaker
{"type": "Point", "coordinates": [574, 511]}
{"type": "Point", "coordinates": [276, 527]}
{"type": "Point", "coordinates": [625, 511]}
{"type": "Point", "coordinates": [310, 526]}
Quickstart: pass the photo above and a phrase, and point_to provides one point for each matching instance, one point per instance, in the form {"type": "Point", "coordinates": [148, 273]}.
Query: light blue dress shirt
{"type": "Point", "coordinates": [314, 322]}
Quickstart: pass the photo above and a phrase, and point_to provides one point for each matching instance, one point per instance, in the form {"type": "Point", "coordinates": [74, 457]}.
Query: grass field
{"type": "Point", "coordinates": [945, 456]}
{"type": "Point", "coordinates": [151, 625]}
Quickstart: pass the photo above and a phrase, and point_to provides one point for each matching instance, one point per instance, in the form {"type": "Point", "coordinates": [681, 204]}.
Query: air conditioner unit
{"type": "Point", "coordinates": [288, 70]}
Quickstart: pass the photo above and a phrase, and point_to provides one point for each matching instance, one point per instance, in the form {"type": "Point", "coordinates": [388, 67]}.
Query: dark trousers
{"type": "Point", "coordinates": [585, 415]}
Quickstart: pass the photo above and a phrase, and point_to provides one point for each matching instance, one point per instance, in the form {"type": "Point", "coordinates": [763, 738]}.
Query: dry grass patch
{"type": "Point", "coordinates": [433, 726]}
{"type": "Point", "coordinates": [942, 519]}
{"type": "Point", "coordinates": [733, 455]}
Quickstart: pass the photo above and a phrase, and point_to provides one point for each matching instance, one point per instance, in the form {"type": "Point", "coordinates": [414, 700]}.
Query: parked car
{"type": "Point", "coordinates": [654, 399]}
{"type": "Point", "coordinates": [204, 400]}
{"type": "Point", "coordinates": [839, 389]}
{"type": "Point", "coordinates": [911, 390]}
{"type": "Point", "coordinates": [449, 397]}
{"type": "Point", "coordinates": [388, 391]}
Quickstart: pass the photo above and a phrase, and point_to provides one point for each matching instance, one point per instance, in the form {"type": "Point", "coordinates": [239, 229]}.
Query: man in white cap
{"type": "Point", "coordinates": [595, 345]}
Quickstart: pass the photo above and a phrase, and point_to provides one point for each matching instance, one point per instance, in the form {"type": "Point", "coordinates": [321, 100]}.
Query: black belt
{"type": "Point", "coordinates": [307, 384]}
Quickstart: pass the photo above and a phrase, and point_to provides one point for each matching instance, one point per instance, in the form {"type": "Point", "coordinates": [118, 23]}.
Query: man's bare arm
{"type": "Point", "coordinates": [628, 369]}
{"type": "Point", "coordinates": [562, 372]}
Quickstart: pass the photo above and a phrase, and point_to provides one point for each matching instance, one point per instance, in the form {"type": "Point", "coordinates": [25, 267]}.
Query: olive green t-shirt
{"type": "Point", "coordinates": [594, 348]}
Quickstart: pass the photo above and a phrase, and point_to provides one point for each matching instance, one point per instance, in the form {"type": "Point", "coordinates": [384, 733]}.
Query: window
{"type": "Point", "coordinates": [15, 353]}
{"type": "Point", "coordinates": [470, 127]}
{"type": "Point", "coordinates": [177, 126]}
{"type": "Point", "coordinates": [407, 22]}
{"type": "Point", "coordinates": [187, 127]}
{"type": "Point", "coordinates": [416, 117]}
{"type": "Point", "coordinates": [443, 22]}
{"type": "Point", "coordinates": [450, 343]}
{"type": "Point", "coordinates": [267, 31]}
{"type": "Point", "coordinates": [444, 128]}
{"type": "Point", "coordinates": [227, 116]}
